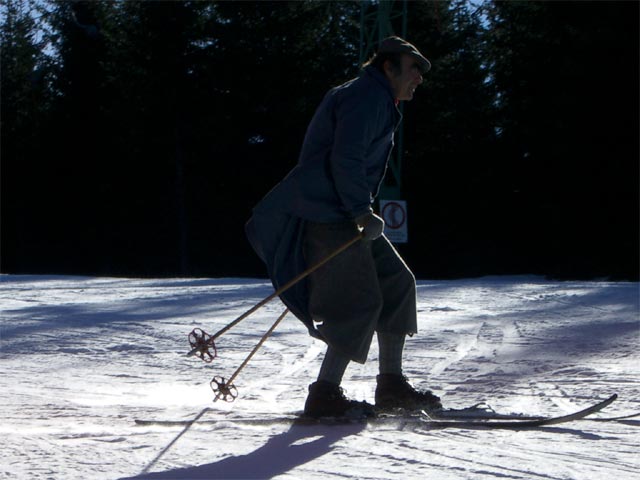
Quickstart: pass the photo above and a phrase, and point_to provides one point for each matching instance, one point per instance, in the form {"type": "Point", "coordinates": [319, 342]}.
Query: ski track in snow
{"type": "Point", "coordinates": [81, 358]}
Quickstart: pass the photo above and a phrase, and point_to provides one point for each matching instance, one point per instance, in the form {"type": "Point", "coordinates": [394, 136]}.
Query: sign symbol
{"type": "Point", "coordinates": [394, 215]}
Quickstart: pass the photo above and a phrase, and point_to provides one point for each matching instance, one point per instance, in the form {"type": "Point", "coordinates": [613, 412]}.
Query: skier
{"type": "Point", "coordinates": [323, 203]}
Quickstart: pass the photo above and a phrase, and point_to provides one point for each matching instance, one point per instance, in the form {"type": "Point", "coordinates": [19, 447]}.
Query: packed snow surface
{"type": "Point", "coordinates": [82, 358]}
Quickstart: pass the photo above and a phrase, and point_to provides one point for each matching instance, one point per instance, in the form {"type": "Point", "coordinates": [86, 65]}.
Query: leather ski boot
{"type": "Point", "coordinates": [395, 391]}
{"type": "Point", "coordinates": [328, 400]}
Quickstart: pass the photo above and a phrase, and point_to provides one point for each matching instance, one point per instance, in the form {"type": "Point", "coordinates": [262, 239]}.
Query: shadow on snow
{"type": "Point", "coordinates": [281, 454]}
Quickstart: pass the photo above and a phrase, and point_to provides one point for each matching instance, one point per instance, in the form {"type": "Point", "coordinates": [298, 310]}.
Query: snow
{"type": "Point", "coordinates": [81, 358]}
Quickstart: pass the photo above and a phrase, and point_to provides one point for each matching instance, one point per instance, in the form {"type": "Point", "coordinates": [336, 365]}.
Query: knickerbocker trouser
{"type": "Point", "coordinates": [366, 288]}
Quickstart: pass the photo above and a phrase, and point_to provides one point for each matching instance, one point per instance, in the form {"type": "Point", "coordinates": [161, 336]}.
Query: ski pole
{"type": "Point", "coordinates": [200, 341]}
{"type": "Point", "coordinates": [226, 390]}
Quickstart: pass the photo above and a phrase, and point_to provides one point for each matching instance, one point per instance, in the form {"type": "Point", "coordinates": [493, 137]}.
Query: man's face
{"type": "Point", "coordinates": [405, 83]}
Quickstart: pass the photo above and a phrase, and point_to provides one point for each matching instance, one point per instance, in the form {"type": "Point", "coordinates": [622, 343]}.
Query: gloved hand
{"type": "Point", "coordinates": [371, 224]}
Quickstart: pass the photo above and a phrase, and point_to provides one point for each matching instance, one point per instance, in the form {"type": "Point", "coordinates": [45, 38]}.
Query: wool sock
{"type": "Point", "coordinates": [333, 367]}
{"type": "Point", "coordinates": [391, 346]}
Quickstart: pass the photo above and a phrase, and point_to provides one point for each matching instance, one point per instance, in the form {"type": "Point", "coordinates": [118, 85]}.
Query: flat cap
{"type": "Point", "coordinates": [399, 45]}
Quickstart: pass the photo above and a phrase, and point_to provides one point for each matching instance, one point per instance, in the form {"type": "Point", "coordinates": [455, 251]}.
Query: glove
{"type": "Point", "coordinates": [371, 224]}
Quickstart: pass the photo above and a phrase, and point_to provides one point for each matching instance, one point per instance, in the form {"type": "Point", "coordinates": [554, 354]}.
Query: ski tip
{"type": "Point", "coordinates": [608, 401]}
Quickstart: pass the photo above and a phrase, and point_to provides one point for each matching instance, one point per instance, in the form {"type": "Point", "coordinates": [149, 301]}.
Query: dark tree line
{"type": "Point", "coordinates": [136, 136]}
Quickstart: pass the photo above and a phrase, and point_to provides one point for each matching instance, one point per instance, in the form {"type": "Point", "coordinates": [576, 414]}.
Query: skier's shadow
{"type": "Point", "coordinates": [282, 453]}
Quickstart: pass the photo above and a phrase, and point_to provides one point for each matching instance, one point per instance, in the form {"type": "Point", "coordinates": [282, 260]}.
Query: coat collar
{"type": "Point", "coordinates": [381, 79]}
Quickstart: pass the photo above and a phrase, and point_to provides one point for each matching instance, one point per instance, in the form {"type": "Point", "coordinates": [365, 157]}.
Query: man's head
{"type": "Point", "coordinates": [402, 64]}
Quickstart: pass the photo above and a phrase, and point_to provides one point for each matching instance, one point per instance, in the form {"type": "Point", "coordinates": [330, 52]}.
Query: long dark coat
{"type": "Point", "coordinates": [341, 166]}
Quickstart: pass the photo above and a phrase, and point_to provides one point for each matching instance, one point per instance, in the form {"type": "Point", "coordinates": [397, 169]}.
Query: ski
{"type": "Point", "coordinates": [518, 423]}
{"type": "Point", "coordinates": [252, 421]}
{"type": "Point", "coordinates": [472, 417]}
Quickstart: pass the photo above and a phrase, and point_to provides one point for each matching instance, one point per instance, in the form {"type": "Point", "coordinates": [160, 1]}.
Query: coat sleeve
{"type": "Point", "coordinates": [355, 118]}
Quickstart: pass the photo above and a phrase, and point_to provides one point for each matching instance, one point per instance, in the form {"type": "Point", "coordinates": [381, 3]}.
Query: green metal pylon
{"type": "Point", "coordinates": [376, 24]}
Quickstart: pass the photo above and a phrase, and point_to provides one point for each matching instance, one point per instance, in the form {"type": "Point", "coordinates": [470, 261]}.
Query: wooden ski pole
{"type": "Point", "coordinates": [279, 292]}
{"type": "Point", "coordinates": [225, 389]}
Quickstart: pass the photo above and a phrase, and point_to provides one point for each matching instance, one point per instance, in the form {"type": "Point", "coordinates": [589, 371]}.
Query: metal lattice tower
{"type": "Point", "coordinates": [376, 23]}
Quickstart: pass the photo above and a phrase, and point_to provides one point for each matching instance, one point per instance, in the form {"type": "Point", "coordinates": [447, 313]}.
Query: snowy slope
{"type": "Point", "coordinates": [81, 358]}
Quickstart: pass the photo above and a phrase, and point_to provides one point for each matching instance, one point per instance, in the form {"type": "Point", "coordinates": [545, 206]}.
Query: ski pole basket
{"type": "Point", "coordinates": [223, 390]}
{"type": "Point", "coordinates": [202, 345]}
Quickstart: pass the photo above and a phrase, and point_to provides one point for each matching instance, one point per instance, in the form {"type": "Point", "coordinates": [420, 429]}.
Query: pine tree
{"type": "Point", "coordinates": [25, 103]}
{"type": "Point", "coordinates": [565, 77]}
